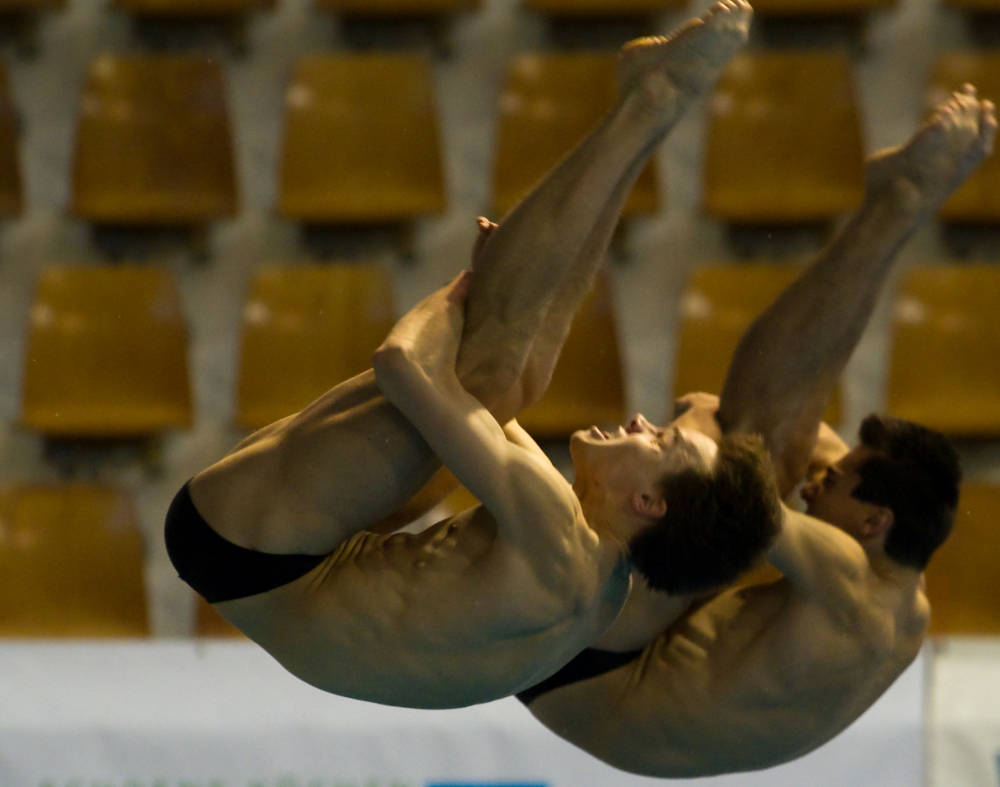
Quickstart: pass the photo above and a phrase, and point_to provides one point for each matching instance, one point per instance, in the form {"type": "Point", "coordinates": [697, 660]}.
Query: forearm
{"type": "Point", "coordinates": [789, 361]}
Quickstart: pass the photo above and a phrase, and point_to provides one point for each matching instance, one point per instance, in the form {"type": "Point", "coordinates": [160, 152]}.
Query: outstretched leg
{"type": "Point", "coordinates": [536, 268]}
{"type": "Point", "coordinates": [350, 459]}
{"type": "Point", "coordinates": [790, 359]}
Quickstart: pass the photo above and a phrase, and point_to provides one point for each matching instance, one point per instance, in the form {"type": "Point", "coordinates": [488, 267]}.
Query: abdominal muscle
{"type": "Point", "coordinates": [437, 619]}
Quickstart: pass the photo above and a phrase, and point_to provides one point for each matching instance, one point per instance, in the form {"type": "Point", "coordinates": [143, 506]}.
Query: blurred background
{"type": "Point", "coordinates": [212, 211]}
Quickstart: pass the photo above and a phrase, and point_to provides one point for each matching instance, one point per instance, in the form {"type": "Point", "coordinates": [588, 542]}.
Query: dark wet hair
{"type": "Point", "coordinates": [719, 520]}
{"type": "Point", "coordinates": [915, 472]}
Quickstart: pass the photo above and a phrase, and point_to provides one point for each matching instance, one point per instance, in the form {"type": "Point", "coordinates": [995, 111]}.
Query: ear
{"type": "Point", "coordinates": [651, 506]}
{"type": "Point", "coordinates": [878, 521]}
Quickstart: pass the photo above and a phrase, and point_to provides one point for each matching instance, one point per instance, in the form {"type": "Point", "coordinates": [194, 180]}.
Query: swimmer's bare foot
{"type": "Point", "coordinates": [667, 73]}
{"type": "Point", "coordinates": [938, 158]}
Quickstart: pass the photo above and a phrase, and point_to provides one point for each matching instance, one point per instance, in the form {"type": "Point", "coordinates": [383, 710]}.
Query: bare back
{"type": "Point", "coordinates": [753, 678]}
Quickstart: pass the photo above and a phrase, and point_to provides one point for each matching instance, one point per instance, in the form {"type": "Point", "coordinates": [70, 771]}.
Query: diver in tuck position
{"type": "Point", "coordinates": [279, 535]}
{"type": "Point", "coordinates": [760, 675]}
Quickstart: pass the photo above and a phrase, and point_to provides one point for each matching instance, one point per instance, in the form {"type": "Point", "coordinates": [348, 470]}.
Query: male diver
{"type": "Point", "coordinates": [756, 676]}
{"type": "Point", "coordinates": [277, 537]}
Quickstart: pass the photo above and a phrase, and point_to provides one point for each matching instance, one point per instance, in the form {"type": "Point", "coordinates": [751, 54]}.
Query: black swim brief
{"type": "Point", "coordinates": [219, 569]}
{"type": "Point", "coordinates": [588, 664]}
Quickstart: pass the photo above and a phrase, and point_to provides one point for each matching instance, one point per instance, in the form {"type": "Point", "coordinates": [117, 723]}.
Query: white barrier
{"type": "Point", "coordinates": [964, 718]}
{"type": "Point", "coordinates": [182, 714]}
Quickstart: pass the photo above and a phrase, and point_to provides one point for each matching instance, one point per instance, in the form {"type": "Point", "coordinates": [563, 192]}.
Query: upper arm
{"type": "Point", "coordinates": [510, 480]}
{"type": "Point", "coordinates": [822, 563]}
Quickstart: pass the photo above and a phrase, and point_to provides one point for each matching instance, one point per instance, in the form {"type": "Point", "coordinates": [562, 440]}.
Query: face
{"type": "Point", "coordinates": [829, 497]}
{"type": "Point", "coordinates": [636, 454]}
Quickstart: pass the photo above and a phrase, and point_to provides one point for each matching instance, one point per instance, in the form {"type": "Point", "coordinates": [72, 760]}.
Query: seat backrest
{"type": "Point", "coordinates": [71, 563]}
{"type": "Point", "coordinates": [307, 328]}
{"type": "Point", "coordinates": [106, 354]}
{"type": "Point", "coordinates": [718, 305]}
{"type": "Point", "coordinates": [193, 8]}
{"type": "Point", "coordinates": [17, 6]}
{"type": "Point", "coordinates": [153, 142]}
{"type": "Point", "coordinates": [766, 161]}
{"type": "Point", "coordinates": [963, 584]}
{"type": "Point", "coordinates": [10, 169]}
{"type": "Point", "coordinates": [587, 386]}
{"type": "Point", "coordinates": [404, 8]}
{"type": "Point", "coordinates": [361, 140]}
{"type": "Point", "coordinates": [978, 199]}
{"type": "Point", "coordinates": [602, 8]}
{"type": "Point", "coordinates": [808, 8]}
{"type": "Point", "coordinates": [975, 6]}
{"type": "Point", "coordinates": [945, 365]}
{"type": "Point", "coordinates": [549, 102]}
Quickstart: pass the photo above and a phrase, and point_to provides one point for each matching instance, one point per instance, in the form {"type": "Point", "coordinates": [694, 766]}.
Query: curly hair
{"type": "Point", "coordinates": [719, 520]}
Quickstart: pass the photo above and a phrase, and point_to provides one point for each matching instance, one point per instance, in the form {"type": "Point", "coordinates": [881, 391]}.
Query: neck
{"type": "Point", "coordinates": [605, 522]}
{"type": "Point", "coordinates": [889, 570]}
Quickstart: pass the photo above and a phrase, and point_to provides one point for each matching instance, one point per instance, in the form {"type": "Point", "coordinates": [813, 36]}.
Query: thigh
{"type": "Point", "coordinates": [310, 481]}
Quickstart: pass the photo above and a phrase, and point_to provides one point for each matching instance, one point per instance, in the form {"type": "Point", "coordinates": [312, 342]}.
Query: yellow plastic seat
{"type": "Point", "coordinates": [549, 102]}
{"type": "Point", "coordinates": [10, 170]}
{"type": "Point", "coordinates": [17, 6]}
{"type": "Point", "coordinates": [784, 140]}
{"type": "Point", "coordinates": [361, 141]}
{"type": "Point", "coordinates": [587, 386]}
{"type": "Point", "coordinates": [978, 200]}
{"type": "Point", "coordinates": [807, 8]}
{"type": "Point", "coordinates": [401, 8]}
{"type": "Point", "coordinates": [193, 8]}
{"type": "Point", "coordinates": [71, 563]}
{"type": "Point", "coordinates": [963, 584]}
{"type": "Point", "coordinates": [599, 8]}
{"type": "Point", "coordinates": [106, 354]}
{"type": "Point", "coordinates": [975, 6]}
{"type": "Point", "coordinates": [718, 305]}
{"type": "Point", "coordinates": [153, 144]}
{"type": "Point", "coordinates": [307, 328]}
{"type": "Point", "coordinates": [945, 367]}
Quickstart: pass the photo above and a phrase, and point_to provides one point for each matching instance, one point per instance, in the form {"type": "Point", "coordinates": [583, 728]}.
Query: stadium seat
{"type": "Point", "coordinates": [587, 386]}
{"type": "Point", "coordinates": [10, 169]}
{"type": "Point", "coordinates": [718, 305]}
{"type": "Point", "coordinates": [106, 354]}
{"type": "Point", "coordinates": [975, 6]}
{"type": "Point", "coordinates": [397, 8]}
{"type": "Point", "coordinates": [978, 200]}
{"type": "Point", "coordinates": [944, 370]}
{"type": "Point", "coordinates": [808, 8]}
{"type": "Point", "coordinates": [193, 8]}
{"type": "Point", "coordinates": [361, 141]}
{"type": "Point", "coordinates": [784, 141]}
{"type": "Point", "coordinates": [602, 8]}
{"type": "Point", "coordinates": [547, 105]}
{"type": "Point", "coordinates": [962, 581]}
{"type": "Point", "coordinates": [71, 563]}
{"type": "Point", "coordinates": [305, 329]}
{"type": "Point", "coordinates": [153, 145]}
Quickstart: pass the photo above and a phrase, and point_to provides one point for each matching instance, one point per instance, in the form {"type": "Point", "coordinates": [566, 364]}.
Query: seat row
{"type": "Point", "coordinates": [361, 142]}
{"type": "Point", "coordinates": [72, 565]}
{"type": "Point", "coordinates": [106, 352]}
{"type": "Point", "coordinates": [376, 8]}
